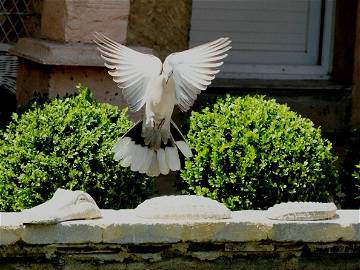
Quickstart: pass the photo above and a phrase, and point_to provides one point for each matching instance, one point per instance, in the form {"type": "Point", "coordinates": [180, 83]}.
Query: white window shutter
{"type": "Point", "coordinates": [264, 32]}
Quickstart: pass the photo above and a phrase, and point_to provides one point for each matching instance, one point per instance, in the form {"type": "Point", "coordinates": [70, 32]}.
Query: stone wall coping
{"type": "Point", "coordinates": [62, 54]}
{"type": "Point", "coordinates": [123, 227]}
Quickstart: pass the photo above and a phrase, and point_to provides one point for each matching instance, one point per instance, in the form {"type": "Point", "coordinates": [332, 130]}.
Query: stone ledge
{"type": "Point", "coordinates": [123, 227]}
{"type": "Point", "coordinates": [295, 86]}
{"type": "Point", "coordinates": [62, 54]}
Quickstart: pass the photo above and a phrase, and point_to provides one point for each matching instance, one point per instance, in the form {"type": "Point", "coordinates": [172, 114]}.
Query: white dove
{"type": "Point", "coordinates": [151, 146]}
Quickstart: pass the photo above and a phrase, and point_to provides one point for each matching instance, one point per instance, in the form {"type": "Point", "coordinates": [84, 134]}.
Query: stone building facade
{"type": "Point", "coordinates": [61, 54]}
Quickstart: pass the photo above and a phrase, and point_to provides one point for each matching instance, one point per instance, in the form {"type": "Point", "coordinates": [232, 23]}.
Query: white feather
{"type": "Point", "coordinates": [163, 166]}
{"type": "Point", "coordinates": [138, 158]}
{"type": "Point", "coordinates": [193, 69]}
{"type": "Point", "coordinates": [126, 161]}
{"type": "Point", "coordinates": [154, 166]}
{"type": "Point", "coordinates": [123, 150]}
{"type": "Point", "coordinates": [120, 144]}
{"type": "Point", "coordinates": [128, 155]}
{"type": "Point", "coordinates": [172, 158]}
{"type": "Point", "coordinates": [184, 148]}
{"type": "Point", "coordinates": [148, 158]}
{"type": "Point", "coordinates": [131, 69]}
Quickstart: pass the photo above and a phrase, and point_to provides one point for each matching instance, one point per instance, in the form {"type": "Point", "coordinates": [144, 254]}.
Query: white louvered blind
{"type": "Point", "coordinates": [264, 32]}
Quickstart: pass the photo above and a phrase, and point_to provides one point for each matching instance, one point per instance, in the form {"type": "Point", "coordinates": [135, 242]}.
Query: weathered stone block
{"type": "Point", "coordinates": [9, 236]}
{"type": "Point", "coordinates": [124, 227]}
{"type": "Point", "coordinates": [10, 228]}
{"type": "Point", "coordinates": [54, 53]}
{"type": "Point", "coordinates": [342, 228]}
{"type": "Point", "coordinates": [84, 231]}
{"type": "Point", "coordinates": [75, 21]}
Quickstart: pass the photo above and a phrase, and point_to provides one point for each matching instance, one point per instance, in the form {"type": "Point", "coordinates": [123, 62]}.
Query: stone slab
{"type": "Point", "coordinates": [10, 228]}
{"type": "Point", "coordinates": [62, 54]}
{"type": "Point", "coordinates": [140, 231]}
{"type": "Point", "coordinates": [302, 211]}
{"type": "Point", "coordinates": [75, 21]}
{"type": "Point", "coordinates": [124, 227]}
{"type": "Point", "coordinates": [343, 228]}
{"type": "Point", "coordinates": [71, 232]}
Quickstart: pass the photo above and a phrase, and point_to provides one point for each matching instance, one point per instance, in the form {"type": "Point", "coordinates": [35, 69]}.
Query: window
{"type": "Point", "coordinates": [272, 39]}
{"type": "Point", "coordinates": [13, 24]}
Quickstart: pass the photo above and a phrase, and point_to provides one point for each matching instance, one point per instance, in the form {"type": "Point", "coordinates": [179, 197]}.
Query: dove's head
{"type": "Point", "coordinates": [167, 71]}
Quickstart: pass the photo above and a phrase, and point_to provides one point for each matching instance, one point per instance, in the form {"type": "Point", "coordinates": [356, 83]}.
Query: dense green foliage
{"type": "Point", "coordinates": [356, 175]}
{"type": "Point", "coordinates": [350, 172]}
{"type": "Point", "coordinates": [251, 153]}
{"type": "Point", "coordinates": [352, 166]}
{"type": "Point", "coordinates": [67, 143]}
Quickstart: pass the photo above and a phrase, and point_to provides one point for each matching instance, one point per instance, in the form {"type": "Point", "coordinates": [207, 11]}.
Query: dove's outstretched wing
{"type": "Point", "coordinates": [130, 69]}
{"type": "Point", "coordinates": [194, 69]}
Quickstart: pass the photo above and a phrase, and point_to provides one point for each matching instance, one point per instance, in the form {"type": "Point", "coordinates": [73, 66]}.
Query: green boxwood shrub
{"type": "Point", "coordinates": [352, 167]}
{"type": "Point", "coordinates": [355, 198]}
{"type": "Point", "coordinates": [67, 143]}
{"type": "Point", "coordinates": [356, 175]}
{"type": "Point", "coordinates": [251, 153]}
{"type": "Point", "coordinates": [350, 172]}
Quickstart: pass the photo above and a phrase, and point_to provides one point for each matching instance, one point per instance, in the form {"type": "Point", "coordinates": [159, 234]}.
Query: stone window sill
{"type": "Point", "coordinates": [287, 86]}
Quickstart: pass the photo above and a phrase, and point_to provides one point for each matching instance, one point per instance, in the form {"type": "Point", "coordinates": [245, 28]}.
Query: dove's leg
{"type": "Point", "coordinates": [156, 133]}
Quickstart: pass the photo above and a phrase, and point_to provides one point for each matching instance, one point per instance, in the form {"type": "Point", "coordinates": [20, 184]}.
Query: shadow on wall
{"type": "Point", "coordinates": [7, 105]}
{"type": "Point", "coordinates": [160, 25]}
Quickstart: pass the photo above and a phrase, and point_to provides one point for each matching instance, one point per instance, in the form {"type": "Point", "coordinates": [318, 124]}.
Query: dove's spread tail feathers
{"type": "Point", "coordinates": [153, 151]}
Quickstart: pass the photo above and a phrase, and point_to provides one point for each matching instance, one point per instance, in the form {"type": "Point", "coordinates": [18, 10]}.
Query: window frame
{"type": "Point", "coordinates": [322, 71]}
